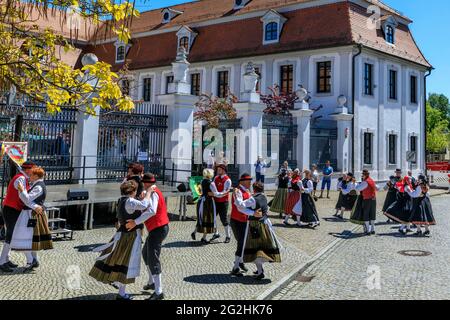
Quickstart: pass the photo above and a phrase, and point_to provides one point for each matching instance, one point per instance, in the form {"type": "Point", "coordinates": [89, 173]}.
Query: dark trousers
{"type": "Point", "coordinates": [239, 234]}
{"type": "Point", "coordinates": [222, 211]}
{"type": "Point", "coordinates": [152, 248]}
{"type": "Point", "coordinates": [10, 215]}
{"type": "Point", "coordinates": [259, 177]}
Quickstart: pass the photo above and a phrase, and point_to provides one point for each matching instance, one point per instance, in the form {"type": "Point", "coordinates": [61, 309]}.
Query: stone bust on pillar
{"type": "Point", "coordinates": [301, 104]}
{"type": "Point", "coordinates": [180, 69]}
{"type": "Point", "coordinates": [250, 81]}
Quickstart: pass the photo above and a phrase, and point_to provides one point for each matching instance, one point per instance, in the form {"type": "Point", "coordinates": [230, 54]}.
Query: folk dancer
{"type": "Point", "coordinates": [309, 215]}
{"type": "Point", "coordinates": [391, 195]}
{"type": "Point", "coordinates": [400, 210]}
{"type": "Point", "coordinates": [221, 187]}
{"type": "Point", "coordinates": [422, 211]}
{"type": "Point", "coordinates": [364, 211]}
{"type": "Point", "coordinates": [156, 221]}
{"type": "Point", "coordinates": [31, 233]}
{"type": "Point", "coordinates": [238, 221]}
{"type": "Point", "coordinates": [260, 242]}
{"type": "Point", "coordinates": [349, 194]}
{"type": "Point", "coordinates": [12, 207]}
{"type": "Point", "coordinates": [120, 260]}
{"type": "Point", "coordinates": [294, 200]}
{"type": "Point", "coordinates": [279, 201]}
{"type": "Point", "coordinates": [339, 188]}
{"type": "Point", "coordinates": [206, 209]}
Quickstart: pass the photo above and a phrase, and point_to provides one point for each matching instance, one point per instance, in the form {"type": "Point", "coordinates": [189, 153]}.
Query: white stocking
{"type": "Point", "coordinates": [4, 257]}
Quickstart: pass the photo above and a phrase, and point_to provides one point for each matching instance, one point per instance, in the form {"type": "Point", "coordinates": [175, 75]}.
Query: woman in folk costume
{"type": "Point", "coordinates": [349, 194]}
{"type": "Point", "coordinates": [365, 208]}
{"type": "Point", "coordinates": [120, 260]}
{"type": "Point", "coordinates": [422, 211]}
{"type": "Point", "coordinates": [309, 216]}
{"type": "Point", "coordinates": [293, 206]}
{"type": "Point", "coordinates": [400, 210]}
{"type": "Point", "coordinates": [340, 185]}
{"type": "Point", "coordinates": [206, 209]}
{"type": "Point", "coordinates": [279, 201]}
{"type": "Point", "coordinates": [260, 242]}
{"type": "Point", "coordinates": [391, 195]}
{"type": "Point", "coordinates": [31, 233]}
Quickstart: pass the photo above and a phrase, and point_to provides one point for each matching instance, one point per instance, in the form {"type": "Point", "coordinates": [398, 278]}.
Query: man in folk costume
{"type": "Point", "coordinates": [12, 207]}
{"type": "Point", "coordinates": [366, 207]}
{"type": "Point", "coordinates": [221, 187]}
{"type": "Point", "coordinates": [120, 259]}
{"type": "Point", "coordinates": [239, 221]}
{"type": "Point", "coordinates": [391, 195]}
{"type": "Point", "coordinates": [260, 242]}
{"type": "Point", "coordinates": [156, 220]}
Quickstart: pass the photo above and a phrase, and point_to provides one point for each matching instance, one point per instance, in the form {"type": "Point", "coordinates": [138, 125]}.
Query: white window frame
{"type": "Point", "coordinates": [242, 5]}
{"type": "Point", "coordinates": [269, 17]}
{"type": "Point", "coordinates": [172, 14]}
{"type": "Point", "coordinates": [119, 44]}
{"type": "Point", "coordinates": [390, 22]}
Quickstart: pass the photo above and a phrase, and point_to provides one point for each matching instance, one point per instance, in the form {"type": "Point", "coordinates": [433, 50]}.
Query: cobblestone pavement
{"type": "Point", "coordinates": [352, 268]}
{"type": "Point", "coordinates": [190, 271]}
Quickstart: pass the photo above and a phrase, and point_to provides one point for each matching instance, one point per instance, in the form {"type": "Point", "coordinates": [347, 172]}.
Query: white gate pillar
{"type": "Point", "coordinates": [344, 132]}
{"type": "Point", "coordinates": [302, 115]}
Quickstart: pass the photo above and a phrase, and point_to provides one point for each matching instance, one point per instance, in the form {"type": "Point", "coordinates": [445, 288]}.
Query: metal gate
{"type": "Point", "coordinates": [50, 137]}
{"type": "Point", "coordinates": [287, 134]}
{"type": "Point", "coordinates": [323, 147]}
{"type": "Point", "coordinates": [128, 137]}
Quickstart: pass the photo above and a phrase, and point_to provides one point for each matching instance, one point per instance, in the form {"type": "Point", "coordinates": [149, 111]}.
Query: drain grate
{"type": "Point", "coordinates": [301, 278]}
{"type": "Point", "coordinates": [415, 253]}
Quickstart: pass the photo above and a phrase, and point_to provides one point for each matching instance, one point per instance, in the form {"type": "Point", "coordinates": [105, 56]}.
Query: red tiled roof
{"type": "Point", "coordinates": [337, 24]}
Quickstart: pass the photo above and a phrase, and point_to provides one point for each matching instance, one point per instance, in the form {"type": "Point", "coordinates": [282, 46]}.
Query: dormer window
{"type": "Point", "coordinates": [120, 53]}
{"type": "Point", "coordinates": [169, 14]}
{"type": "Point", "coordinates": [239, 4]}
{"type": "Point", "coordinates": [389, 24]}
{"type": "Point", "coordinates": [272, 25]}
{"type": "Point", "coordinates": [185, 37]}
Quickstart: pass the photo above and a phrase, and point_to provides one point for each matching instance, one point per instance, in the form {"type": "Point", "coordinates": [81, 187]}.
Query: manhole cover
{"type": "Point", "coordinates": [415, 253]}
{"type": "Point", "coordinates": [304, 278]}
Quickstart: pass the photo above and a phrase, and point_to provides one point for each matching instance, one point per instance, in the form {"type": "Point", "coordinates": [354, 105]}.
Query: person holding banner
{"type": "Point", "coordinates": [31, 233]}
{"type": "Point", "coordinates": [12, 207]}
{"type": "Point", "coordinates": [221, 187]}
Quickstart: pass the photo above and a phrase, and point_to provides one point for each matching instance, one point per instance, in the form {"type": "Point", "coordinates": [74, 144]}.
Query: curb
{"type": "Point", "coordinates": [280, 284]}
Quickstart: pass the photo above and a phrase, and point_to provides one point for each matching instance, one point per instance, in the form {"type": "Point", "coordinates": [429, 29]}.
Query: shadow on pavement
{"type": "Point", "coordinates": [334, 220]}
{"type": "Point", "coordinates": [88, 247]}
{"type": "Point", "coordinates": [221, 278]}
{"type": "Point", "coordinates": [347, 235]}
{"type": "Point", "coordinates": [187, 244]}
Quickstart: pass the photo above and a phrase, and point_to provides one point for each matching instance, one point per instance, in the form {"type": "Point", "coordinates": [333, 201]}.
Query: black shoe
{"type": "Point", "coordinates": [340, 217]}
{"type": "Point", "coordinates": [193, 236]}
{"type": "Point", "coordinates": [373, 232]}
{"type": "Point", "coordinates": [204, 241]}
{"type": "Point", "coordinates": [149, 287]}
{"type": "Point", "coordinates": [5, 268]}
{"type": "Point", "coordinates": [115, 286]}
{"type": "Point", "coordinates": [214, 237]}
{"type": "Point", "coordinates": [11, 265]}
{"type": "Point", "coordinates": [156, 296]}
{"type": "Point", "coordinates": [256, 272]}
{"type": "Point", "coordinates": [259, 276]}
{"type": "Point", "coordinates": [243, 267]}
{"type": "Point", "coordinates": [28, 268]}
{"type": "Point", "coordinates": [227, 240]}
{"type": "Point", "coordinates": [125, 297]}
{"type": "Point", "coordinates": [419, 233]}
{"type": "Point", "coordinates": [427, 233]}
{"type": "Point", "coordinates": [35, 263]}
{"type": "Point", "coordinates": [286, 223]}
{"type": "Point", "coordinates": [367, 233]}
{"type": "Point", "coordinates": [403, 231]}
{"type": "Point", "coordinates": [236, 272]}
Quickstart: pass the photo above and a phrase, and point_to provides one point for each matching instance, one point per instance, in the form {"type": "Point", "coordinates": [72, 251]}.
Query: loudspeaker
{"type": "Point", "coordinates": [77, 194]}
{"type": "Point", "coordinates": [182, 187]}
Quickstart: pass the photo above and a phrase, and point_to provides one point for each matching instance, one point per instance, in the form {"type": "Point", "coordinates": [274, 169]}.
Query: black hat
{"type": "Point", "coordinates": [148, 178]}
{"type": "Point", "coordinates": [351, 175]}
{"type": "Point", "coordinates": [366, 172]}
{"type": "Point", "coordinates": [245, 177]}
{"type": "Point", "coordinates": [398, 170]}
{"type": "Point", "coordinates": [28, 165]}
{"type": "Point", "coordinates": [222, 166]}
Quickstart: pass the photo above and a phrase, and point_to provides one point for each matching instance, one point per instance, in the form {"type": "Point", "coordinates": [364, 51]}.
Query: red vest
{"type": "Point", "coordinates": [12, 199]}
{"type": "Point", "coordinates": [371, 191]}
{"type": "Point", "coordinates": [235, 213]}
{"type": "Point", "coordinates": [220, 185]}
{"type": "Point", "coordinates": [161, 217]}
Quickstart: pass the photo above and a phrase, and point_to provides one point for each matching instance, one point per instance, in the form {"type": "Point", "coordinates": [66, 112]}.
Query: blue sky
{"type": "Point", "coordinates": [431, 29]}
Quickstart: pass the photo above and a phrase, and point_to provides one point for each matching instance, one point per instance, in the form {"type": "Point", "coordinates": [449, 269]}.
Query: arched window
{"type": "Point", "coordinates": [390, 34]}
{"type": "Point", "coordinates": [271, 31]}
{"type": "Point", "coordinates": [120, 54]}
{"type": "Point", "coordinates": [184, 42]}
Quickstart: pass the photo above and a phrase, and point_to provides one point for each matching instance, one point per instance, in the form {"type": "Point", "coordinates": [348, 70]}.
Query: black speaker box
{"type": "Point", "coordinates": [77, 194]}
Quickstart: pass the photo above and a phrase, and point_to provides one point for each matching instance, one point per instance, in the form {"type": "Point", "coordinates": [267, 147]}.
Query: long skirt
{"type": "Point", "coordinates": [348, 201]}
{"type": "Point", "coordinates": [391, 197]}
{"type": "Point", "coordinates": [260, 242]}
{"type": "Point", "coordinates": [363, 211]}
{"type": "Point", "coordinates": [422, 212]}
{"type": "Point", "coordinates": [42, 238]}
{"type": "Point", "coordinates": [120, 259]}
{"type": "Point", "coordinates": [22, 237]}
{"type": "Point", "coordinates": [206, 215]}
{"type": "Point", "coordinates": [309, 211]}
{"type": "Point", "coordinates": [279, 201]}
{"type": "Point", "coordinates": [293, 204]}
{"type": "Point", "coordinates": [340, 201]}
{"type": "Point", "coordinates": [400, 210]}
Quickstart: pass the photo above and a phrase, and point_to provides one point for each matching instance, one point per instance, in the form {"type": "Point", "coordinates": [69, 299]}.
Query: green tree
{"type": "Point", "coordinates": [437, 130]}
{"type": "Point", "coordinates": [440, 102]}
